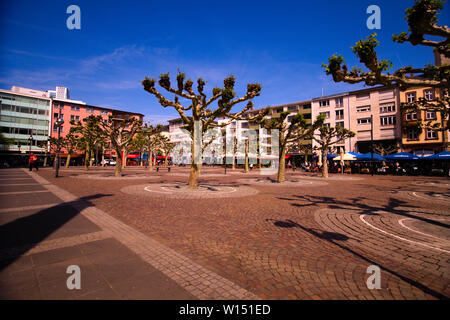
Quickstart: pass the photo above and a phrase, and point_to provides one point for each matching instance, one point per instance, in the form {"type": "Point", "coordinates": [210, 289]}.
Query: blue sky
{"type": "Point", "coordinates": [280, 44]}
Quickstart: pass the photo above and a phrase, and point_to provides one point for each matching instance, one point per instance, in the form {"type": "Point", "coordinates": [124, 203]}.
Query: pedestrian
{"type": "Point", "coordinates": [33, 161]}
{"type": "Point", "coordinates": [251, 166]}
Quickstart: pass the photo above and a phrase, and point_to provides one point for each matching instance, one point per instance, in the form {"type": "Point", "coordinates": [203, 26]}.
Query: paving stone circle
{"type": "Point", "coordinates": [330, 177]}
{"type": "Point", "coordinates": [297, 182]}
{"type": "Point", "coordinates": [111, 176]}
{"type": "Point", "coordinates": [182, 191]}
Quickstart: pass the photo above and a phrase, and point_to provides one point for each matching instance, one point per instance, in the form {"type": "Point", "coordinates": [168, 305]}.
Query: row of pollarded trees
{"type": "Point", "coordinates": [204, 118]}
{"type": "Point", "coordinates": [123, 135]}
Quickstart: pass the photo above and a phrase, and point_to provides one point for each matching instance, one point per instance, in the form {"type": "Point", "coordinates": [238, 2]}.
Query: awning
{"type": "Point", "coordinates": [402, 156]}
{"type": "Point", "coordinates": [370, 156]}
{"type": "Point", "coordinates": [440, 156]}
{"type": "Point", "coordinates": [347, 157]}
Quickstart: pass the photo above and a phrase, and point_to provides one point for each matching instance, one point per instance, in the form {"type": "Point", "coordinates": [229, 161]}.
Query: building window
{"type": "Point", "coordinates": [73, 117]}
{"type": "Point", "coordinates": [387, 121]}
{"type": "Point", "coordinates": [103, 112]}
{"type": "Point", "coordinates": [324, 103]}
{"type": "Point", "coordinates": [74, 107]}
{"type": "Point", "coordinates": [431, 115]}
{"type": "Point", "coordinates": [363, 121]}
{"type": "Point", "coordinates": [307, 106]}
{"type": "Point", "coordinates": [365, 96]}
{"type": "Point", "coordinates": [413, 134]}
{"type": "Point", "coordinates": [89, 110]}
{"type": "Point", "coordinates": [411, 97]}
{"type": "Point", "coordinates": [431, 134]}
{"type": "Point", "coordinates": [384, 95]}
{"type": "Point", "coordinates": [387, 108]}
{"type": "Point", "coordinates": [339, 102]}
{"type": "Point", "coordinates": [429, 94]}
{"type": "Point", "coordinates": [339, 114]}
{"type": "Point", "coordinates": [326, 114]}
{"type": "Point", "coordinates": [363, 109]}
{"type": "Point", "coordinates": [411, 116]}
{"type": "Point", "coordinates": [292, 108]}
{"type": "Point", "coordinates": [340, 124]}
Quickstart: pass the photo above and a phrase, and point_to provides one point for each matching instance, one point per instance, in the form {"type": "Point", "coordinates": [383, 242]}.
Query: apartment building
{"type": "Point", "coordinates": [28, 116]}
{"type": "Point", "coordinates": [422, 141]}
{"type": "Point", "coordinates": [371, 113]}
{"type": "Point", "coordinates": [24, 118]}
{"type": "Point", "coordinates": [240, 128]}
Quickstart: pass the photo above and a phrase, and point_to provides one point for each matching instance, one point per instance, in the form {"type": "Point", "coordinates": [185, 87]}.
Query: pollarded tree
{"type": "Point", "coordinates": [326, 138]}
{"type": "Point", "coordinates": [166, 147]}
{"type": "Point", "coordinates": [302, 148]}
{"type": "Point", "coordinates": [423, 30]}
{"type": "Point", "coordinates": [138, 145]}
{"type": "Point", "coordinates": [290, 130]}
{"type": "Point", "coordinates": [71, 143]}
{"type": "Point", "coordinates": [203, 116]}
{"type": "Point", "coordinates": [120, 132]}
{"type": "Point", "coordinates": [422, 21]}
{"type": "Point", "coordinates": [90, 135]}
{"type": "Point", "coordinates": [385, 149]}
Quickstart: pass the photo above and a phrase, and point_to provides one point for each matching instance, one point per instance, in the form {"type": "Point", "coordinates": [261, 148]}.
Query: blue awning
{"type": "Point", "coordinates": [440, 156]}
{"type": "Point", "coordinates": [368, 157]}
{"type": "Point", "coordinates": [402, 156]}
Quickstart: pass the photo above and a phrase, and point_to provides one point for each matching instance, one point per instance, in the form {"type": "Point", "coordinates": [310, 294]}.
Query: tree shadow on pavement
{"type": "Point", "coordinates": [20, 235]}
{"type": "Point", "coordinates": [332, 237]}
{"type": "Point", "coordinates": [357, 205]}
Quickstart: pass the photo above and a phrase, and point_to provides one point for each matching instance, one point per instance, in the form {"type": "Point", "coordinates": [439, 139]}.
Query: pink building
{"type": "Point", "coordinates": [360, 111]}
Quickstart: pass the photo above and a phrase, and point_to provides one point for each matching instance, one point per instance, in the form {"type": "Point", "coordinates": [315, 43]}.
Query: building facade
{"type": "Point", "coordinates": [373, 114]}
{"type": "Point", "coordinates": [419, 140]}
{"type": "Point", "coordinates": [24, 119]}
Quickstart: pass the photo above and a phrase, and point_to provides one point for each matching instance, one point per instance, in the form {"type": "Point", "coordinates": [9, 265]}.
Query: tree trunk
{"type": "Point", "coordinates": [118, 172]}
{"type": "Point", "coordinates": [124, 163]}
{"type": "Point", "coordinates": [103, 156]}
{"type": "Point", "coordinates": [68, 160]}
{"type": "Point", "coordinates": [281, 165]}
{"type": "Point", "coordinates": [142, 162]}
{"type": "Point", "coordinates": [86, 158]}
{"type": "Point", "coordinates": [246, 157]}
{"type": "Point", "coordinates": [45, 159]}
{"type": "Point", "coordinates": [150, 160]}
{"type": "Point", "coordinates": [195, 168]}
{"type": "Point", "coordinates": [325, 164]}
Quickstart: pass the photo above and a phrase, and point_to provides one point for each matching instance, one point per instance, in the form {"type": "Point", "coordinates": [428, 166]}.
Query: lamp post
{"type": "Point", "coordinates": [31, 140]}
{"type": "Point", "coordinates": [58, 123]}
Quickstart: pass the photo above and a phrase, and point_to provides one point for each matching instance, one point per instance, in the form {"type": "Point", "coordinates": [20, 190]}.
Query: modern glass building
{"type": "Point", "coordinates": [24, 118]}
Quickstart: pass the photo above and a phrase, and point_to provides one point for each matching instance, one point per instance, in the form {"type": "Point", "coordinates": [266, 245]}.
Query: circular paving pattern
{"type": "Point", "coordinates": [331, 177]}
{"type": "Point", "coordinates": [290, 182]}
{"type": "Point", "coordinates": [427, 196]}
{"type": "Point", "coordinates": [182, 191]}
{"type": "Point", "coordinates": [111, 176]}
{"type": "Point", "coordinates": [437, 184]}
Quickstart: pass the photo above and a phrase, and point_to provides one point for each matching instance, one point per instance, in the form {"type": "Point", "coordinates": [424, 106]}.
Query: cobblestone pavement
{"type": "Point", "coordinates": [304, 241]}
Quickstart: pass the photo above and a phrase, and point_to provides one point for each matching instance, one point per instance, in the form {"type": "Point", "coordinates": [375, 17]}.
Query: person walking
{"type": "Point", "coordinates": [33, 161]}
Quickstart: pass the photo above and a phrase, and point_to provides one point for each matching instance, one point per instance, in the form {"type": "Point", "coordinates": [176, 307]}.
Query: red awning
{"type": "Point", "coordinates": [133, 156]}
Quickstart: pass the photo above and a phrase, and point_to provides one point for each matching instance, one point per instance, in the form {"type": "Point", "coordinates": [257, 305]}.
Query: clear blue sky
{"type": "Point", "coordinates": [280, 44]}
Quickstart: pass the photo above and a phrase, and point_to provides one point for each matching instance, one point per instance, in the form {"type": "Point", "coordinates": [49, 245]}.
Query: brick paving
{"type": "Point", "coordinates": [306, 241]}
{"type": "Point", "coordinates": [39, 242]}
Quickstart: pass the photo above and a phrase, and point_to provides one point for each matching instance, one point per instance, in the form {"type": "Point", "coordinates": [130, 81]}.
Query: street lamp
{"type": "Point", "coordinates": [58, 123]}
{"type": "Point", "coordinates": [31, 140]}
